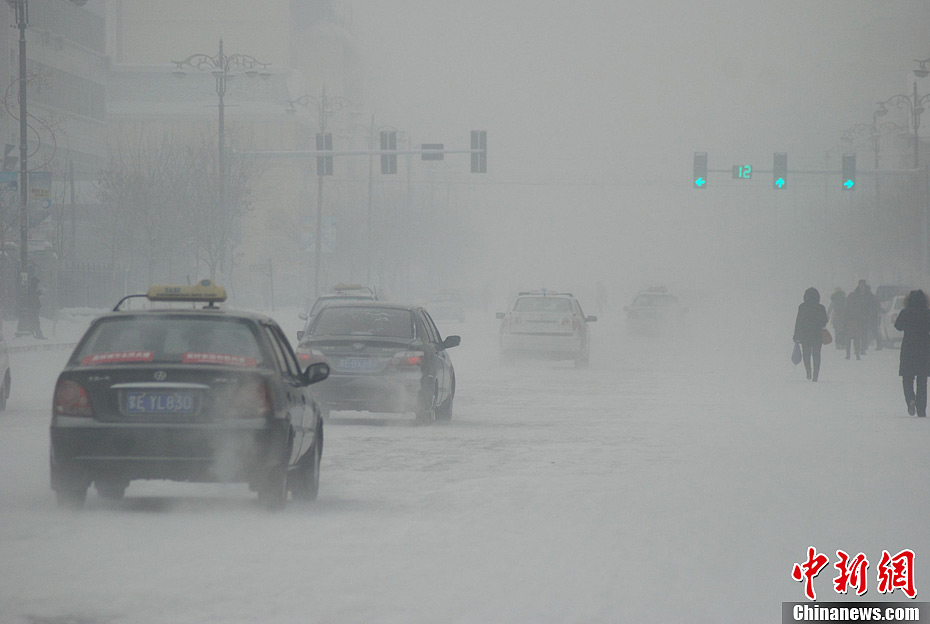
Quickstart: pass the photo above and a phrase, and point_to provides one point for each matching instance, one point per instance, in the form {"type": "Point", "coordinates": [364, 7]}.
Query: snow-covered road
{"type": "Point", "coordinates": [675, 480]}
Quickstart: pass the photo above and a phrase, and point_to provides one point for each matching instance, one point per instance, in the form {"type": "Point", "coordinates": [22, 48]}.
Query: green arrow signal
{"type": "Point", "coordinates": [780, 182]}
{"type": "Point", "coordinates": [700, 182]}
{"type": "Point", "coordinates": [849, 184]}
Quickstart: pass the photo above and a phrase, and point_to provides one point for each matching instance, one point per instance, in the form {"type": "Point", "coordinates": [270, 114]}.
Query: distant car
{"type": "Point", "coordinates": [545, 324]}
{"type": "Point", "coordinates": [446, 305]}
{"type": "Point", "coordinates": [341, 292]}
{"type": "Point", "coordinates": [384, 357]}
{"type": "Point", "coordinates": [887, 332]}
{"type": "Point", "coordinates": [886, 292]}
{"type": "Point", "coordinates": [654, 311]}
{"type": "Point", "coordinates": [4, 372]}
{"type": "Point", "coordinates": [186, 395]}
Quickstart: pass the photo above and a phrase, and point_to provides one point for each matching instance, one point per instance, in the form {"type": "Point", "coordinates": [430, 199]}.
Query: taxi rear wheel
{"type": "Point", "coordinates": [272, 493]}
{"type": "Point", "coordinates": [70, 489]}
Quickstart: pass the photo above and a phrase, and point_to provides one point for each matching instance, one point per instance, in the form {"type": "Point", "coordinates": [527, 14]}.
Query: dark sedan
{"type": "Point", "coordinates": [185, 395]}
{"type": "Point", "coordinates": [383, 357]}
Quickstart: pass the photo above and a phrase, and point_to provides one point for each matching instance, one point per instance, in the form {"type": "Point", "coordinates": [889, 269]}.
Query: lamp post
{"type": "Point", "coordinates": [915, 105]}
{"type": "Point", "coordinates": [28, 316]}
{"type": "Point", "coordinates": [223, 67]}
{"type": "Point", "coordinates": [325, 106]}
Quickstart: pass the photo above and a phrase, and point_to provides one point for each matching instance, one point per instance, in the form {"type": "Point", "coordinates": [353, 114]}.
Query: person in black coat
{"type": "Point", "coordinates": [914, 322]}
{"type": "Point", "coordinates": [808, 330]}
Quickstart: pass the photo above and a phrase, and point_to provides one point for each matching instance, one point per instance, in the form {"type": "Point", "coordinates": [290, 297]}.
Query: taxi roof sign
{"type": "Point", "coordinates": [204, 290]}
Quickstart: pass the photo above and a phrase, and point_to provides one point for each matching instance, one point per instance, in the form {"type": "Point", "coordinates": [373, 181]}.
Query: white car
{"type": "Point", "coordinates": [545, 324]}
{"type": "Point", "coordinates": [886, 330]}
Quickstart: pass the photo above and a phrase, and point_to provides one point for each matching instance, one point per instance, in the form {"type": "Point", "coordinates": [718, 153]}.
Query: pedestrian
{"type": "Point", "coordinates": [914, 322]}
{"type": "Point", "coordinates": [34, 304]}
{"type": "Point", "coordinates": [858, 314]}
{"type": "Point", "coordinates": [837, 314]}
{"type": "Point", "coordinates": [808, 330]}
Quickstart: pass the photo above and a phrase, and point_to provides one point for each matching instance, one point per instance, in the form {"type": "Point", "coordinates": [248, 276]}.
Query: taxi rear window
{"type": "Point", "coordinates": [170, 340]}
{"type": "Point", "coordinates": [543, 304]}
{"type": "Point", "coordinates": [348, 321]}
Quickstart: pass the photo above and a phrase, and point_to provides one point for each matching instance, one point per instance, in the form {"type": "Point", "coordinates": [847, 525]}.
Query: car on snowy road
{"type": "Point", "coordinates": [654, 311]}
{"type": "Point", "coordinates": [887, 333]}
{"type": "Point", "coordinates": [383, 357]}
{"type": "Point", "coordinates": [185, 394]}
{"type": "Point", "coordinates": [341, 292]}
{"type": "Point", "coordinates": [545, 324]}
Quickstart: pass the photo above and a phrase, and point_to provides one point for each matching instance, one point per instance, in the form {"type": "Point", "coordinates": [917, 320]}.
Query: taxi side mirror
{"type": "Point", "coordinates": [316, 372]}
{"type": "Point", "coordinates": [302, 316]}
{"type": "Point", "coordinates": [300, 334]}
{"type": "Point", "coordinates": [590, 319]}
{"type": "Point", "coordinates": [499, 315]}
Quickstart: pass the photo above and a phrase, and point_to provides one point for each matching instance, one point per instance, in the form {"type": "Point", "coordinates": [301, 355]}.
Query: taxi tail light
{"type": "Point", "coordinates": [408, 358]}
{"type": "Point", "coordinates": [71, 400]}
{"type": "Point", "coordinates": [254, 400]}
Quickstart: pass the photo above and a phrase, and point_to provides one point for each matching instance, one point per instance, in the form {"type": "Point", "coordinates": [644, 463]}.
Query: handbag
{"type": "Point", "coordinates": [796, 354]}
{"type": "Point", "coordinates": [826, 336]}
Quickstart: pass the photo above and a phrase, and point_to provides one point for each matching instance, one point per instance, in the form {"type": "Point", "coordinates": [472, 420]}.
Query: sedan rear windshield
{"type": "Point", "coordinates": [344, 321]}
{"type": "Point", "coordinates": [170, 340]}
{"type": "Point", "coordinates": [543, 304]}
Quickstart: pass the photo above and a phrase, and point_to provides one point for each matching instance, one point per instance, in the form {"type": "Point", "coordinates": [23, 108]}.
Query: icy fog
{"type": "Point", "coordinates": [679, 478]}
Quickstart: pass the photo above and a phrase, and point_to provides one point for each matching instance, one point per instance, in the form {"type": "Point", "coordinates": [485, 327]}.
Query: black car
{"type": "Point", "coordinates": [383, 357]}
{"type": "Point", "coordinates": [185, 395]}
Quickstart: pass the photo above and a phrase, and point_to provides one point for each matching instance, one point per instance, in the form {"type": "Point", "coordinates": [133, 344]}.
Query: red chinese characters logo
{"type": "Point", "coordinates": [897, 572]}
{"type": "Point", "coordinates": [851, 573]}
{"type": "Point", "coordinates": [808, 570]}
{"type": "Point", "coordinates": [893, 572]}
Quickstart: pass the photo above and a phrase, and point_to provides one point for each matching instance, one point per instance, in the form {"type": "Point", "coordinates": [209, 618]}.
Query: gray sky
{"type": "Point", "coordinates": [594, 108]}
{"type": "Point", "coordinates": [632, 88]}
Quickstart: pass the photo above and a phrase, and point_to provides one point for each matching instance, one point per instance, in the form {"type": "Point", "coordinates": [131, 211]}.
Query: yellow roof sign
{"type": "Point", "coordinates": [204, 290]}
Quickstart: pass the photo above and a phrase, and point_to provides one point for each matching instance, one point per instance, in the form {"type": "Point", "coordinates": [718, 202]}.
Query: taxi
{"type": "Point", "coordinates": [182, 393]}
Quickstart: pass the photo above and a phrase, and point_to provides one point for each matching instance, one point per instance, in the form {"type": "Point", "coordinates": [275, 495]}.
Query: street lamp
{"type": "Point", "coordinates": [28, 300]}
{"type": "Point", "coordinates": [915, 105]}
{"type": "Point", "coordinates": [324, 106]}
{"type": "Point", "coordinates": [223, 67]}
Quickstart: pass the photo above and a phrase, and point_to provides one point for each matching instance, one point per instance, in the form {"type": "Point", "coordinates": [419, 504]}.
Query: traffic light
{"type": "Point", "coordinates": [700, 169]}
{"type": "Point", "coordinates": [324, 164]}
{"type": "Point", "coordinates": [388, 142]}
{"type": "Point", "coordinates": [849, 172]}
{"type": "Point", "coordinates": [780, 171]}
{"type": "Point", "coordinates": [479, 160]}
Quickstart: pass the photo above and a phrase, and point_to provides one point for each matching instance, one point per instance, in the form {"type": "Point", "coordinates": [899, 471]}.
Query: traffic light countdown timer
{"type": "Point", "coordinates": [699, 180]}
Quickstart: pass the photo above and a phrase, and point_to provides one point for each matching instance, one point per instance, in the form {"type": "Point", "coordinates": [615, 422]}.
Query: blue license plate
{"type": "Point", "coordinates": [359, 364]}
{"type": "Point", "coordinates": [159, 402]}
